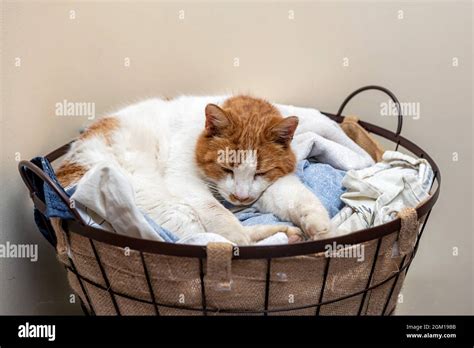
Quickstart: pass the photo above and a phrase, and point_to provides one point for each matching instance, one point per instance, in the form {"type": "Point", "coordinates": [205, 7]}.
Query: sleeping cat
{"type": "Point", "coordinates": [181, 155]}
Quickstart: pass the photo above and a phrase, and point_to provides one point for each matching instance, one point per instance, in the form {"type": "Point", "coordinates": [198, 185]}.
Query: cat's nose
{"type": "Point", "coordinates": [241, 198]}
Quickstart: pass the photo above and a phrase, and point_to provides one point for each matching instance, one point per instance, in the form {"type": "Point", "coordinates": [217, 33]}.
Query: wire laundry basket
{"type": "Point", "coordinates": [120, 275]}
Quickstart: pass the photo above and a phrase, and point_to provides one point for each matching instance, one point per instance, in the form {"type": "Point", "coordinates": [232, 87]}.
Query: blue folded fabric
{"type": "Point", "coordinates": [164, 233]}
{"type": "Point", "coordinates": [325, 182]}
{"type": "Point", "coordinates": [55, 207]}
{"type": "Point", "coordinates": [322, 179]}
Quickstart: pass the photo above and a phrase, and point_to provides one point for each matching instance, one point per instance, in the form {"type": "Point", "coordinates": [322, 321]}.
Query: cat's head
{"type": "Point", "coordinates": [244, 148]}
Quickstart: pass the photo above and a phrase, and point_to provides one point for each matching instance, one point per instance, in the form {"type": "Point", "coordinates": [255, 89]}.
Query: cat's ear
{"type": "Point", "coordinates": [216, 120]}
{"type": "Point", "coordinates": [283, 131]}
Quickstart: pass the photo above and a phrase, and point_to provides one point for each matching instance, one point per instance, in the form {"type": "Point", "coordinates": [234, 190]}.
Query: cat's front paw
{"type": "Point", "coordinates": [316, 226]}
{"type": "Point", "coordinates": [294, 234]}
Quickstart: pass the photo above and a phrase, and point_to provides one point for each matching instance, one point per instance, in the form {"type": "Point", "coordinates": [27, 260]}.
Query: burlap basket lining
{"type": "Point", "coordinates": [130, 282]}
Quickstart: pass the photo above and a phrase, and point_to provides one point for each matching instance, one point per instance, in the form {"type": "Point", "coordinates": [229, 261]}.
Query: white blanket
{"type": "Point", "coordinates": [106, 191]}
{"type": "Point", "coordinates": [320, 138]}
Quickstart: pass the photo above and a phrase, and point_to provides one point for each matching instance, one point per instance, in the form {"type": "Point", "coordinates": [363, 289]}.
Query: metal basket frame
{"type": "Point", "coordinates": [245, 252]}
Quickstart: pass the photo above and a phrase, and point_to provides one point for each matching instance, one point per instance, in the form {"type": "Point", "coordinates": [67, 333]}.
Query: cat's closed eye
{"type": "Point", "coordinates": [228, 170]}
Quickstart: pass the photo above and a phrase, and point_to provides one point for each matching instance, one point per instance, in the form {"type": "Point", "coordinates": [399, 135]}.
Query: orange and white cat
{"type": "Point", "coordinates": [179, 154]}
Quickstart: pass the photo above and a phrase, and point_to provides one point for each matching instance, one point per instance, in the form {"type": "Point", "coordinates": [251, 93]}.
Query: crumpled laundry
{"type": "Point", "coordinates": [205, 238]}
{"type": "Point", "coordinates": [321, 139]}
{"type": "Point", "coordinates": [107, 191]}
{"type": "Point", "coordinates": [376, 194]}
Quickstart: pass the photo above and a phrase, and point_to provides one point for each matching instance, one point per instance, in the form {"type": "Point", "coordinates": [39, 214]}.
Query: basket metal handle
{"type": "Point", "coordinates": [378, 88]}
{"type": "Point", "coordinates": [23, 167]}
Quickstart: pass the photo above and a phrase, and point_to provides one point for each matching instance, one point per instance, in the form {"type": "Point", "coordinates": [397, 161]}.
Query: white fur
{"type": "Point", "coordinates": [155, 146]}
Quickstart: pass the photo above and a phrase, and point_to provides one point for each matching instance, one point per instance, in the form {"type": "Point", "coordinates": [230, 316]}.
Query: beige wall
{"type": "Point", "coordinates": [297, 61]}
